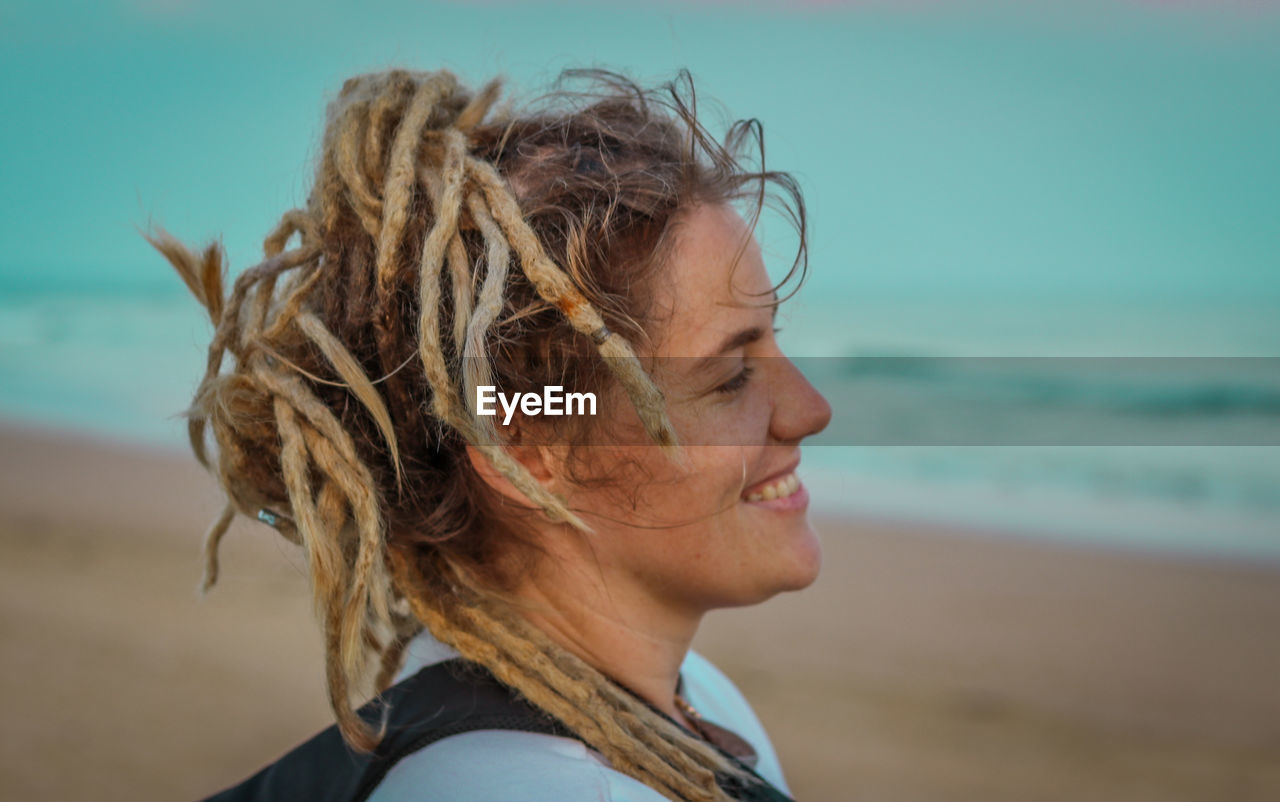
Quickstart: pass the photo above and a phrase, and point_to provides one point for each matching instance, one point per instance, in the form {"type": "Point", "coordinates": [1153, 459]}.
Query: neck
{"type": "Point", "coordinates": [614, 627]}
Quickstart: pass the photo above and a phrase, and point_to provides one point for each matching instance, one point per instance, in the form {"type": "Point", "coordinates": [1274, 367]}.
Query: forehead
{"type": "Point", "coordinates": [715, 279]}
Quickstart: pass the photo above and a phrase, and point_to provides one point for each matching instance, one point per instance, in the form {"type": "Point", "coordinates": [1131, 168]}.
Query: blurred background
{"type": "Point", "coordinates": [1096, 179]}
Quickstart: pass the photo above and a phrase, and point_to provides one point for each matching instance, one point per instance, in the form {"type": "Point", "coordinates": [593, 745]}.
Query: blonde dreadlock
{"type": "Point", "coordinates": [415, 193]}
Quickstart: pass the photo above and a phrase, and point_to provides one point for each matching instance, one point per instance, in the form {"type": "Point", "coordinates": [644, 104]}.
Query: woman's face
{"type": "Point", "coordinates": [728, 525]}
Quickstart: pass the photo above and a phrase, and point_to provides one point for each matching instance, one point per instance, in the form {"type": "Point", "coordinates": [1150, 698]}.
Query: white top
{"type": "Point", "coordinates": [514, 766]}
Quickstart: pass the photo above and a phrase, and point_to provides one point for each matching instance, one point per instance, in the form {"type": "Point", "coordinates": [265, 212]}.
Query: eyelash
{"type": "Point", "coordinates": [737, 382]}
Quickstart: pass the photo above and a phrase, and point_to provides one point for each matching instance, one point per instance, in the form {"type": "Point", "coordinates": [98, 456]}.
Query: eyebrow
{"type": "Point", "coordinates": [744, 337]}
{"type": "Point", "coordinates": [741, 338]}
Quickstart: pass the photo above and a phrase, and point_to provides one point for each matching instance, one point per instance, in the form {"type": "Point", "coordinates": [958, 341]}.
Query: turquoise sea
{"type": "Point", "coordinates": [984, 180]}
{"type": "Point", "coordinates": [1203, 498]}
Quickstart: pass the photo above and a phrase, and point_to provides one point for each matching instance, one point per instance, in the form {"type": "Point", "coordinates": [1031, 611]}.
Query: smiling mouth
{"type": "Point", "coordinates": [781, 487]}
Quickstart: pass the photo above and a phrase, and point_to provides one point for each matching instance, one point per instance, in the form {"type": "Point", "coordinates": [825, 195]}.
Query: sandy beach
{"type": "Point", "coordinates": [923, 666]}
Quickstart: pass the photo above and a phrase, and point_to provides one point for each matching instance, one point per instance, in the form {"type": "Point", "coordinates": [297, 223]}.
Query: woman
{"type": "Point", "coordinates": [532, 582]}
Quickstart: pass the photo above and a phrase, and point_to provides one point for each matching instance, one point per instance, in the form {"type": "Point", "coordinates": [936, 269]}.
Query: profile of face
{"type": "Point", "coordinates": [727, 524]}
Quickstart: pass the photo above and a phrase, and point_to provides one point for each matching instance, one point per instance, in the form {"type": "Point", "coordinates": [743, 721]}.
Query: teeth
{"type": "Point", "coordinates": [780, 488]}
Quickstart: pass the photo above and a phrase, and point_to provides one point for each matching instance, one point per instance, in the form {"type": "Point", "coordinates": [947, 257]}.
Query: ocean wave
{"type": "Point", "coordinates": [1156, 386]}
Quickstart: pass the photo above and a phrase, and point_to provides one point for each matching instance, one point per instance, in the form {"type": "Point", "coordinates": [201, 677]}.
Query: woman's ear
{"type": "Point", "coordinates": [535, 459]}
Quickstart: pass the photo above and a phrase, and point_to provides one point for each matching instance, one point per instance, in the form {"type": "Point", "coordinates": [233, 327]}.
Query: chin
{"type": "Point", "coordinates": [795, 567]}
{"type": "Point", "coordinates": [805, 562]}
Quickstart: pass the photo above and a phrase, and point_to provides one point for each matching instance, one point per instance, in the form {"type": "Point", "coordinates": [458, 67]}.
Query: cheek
{"type": "Point", "coordinates": [721, 471]}
{"type": "Point", "coordinates": [742, 420]}
{"type": "Point", "coordinates": [690, 497]}
{"type": "Point", "coordinates": [694, 493]}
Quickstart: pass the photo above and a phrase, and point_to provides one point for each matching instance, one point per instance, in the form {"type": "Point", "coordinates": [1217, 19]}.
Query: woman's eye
{"type": "Point", "coordinates": [737, 382]}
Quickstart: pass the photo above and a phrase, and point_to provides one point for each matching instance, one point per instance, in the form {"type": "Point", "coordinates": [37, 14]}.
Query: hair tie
{"type": "Point", "coordinates": [600, 335]}
{"type": "Point", "coordinates": [269, 518]}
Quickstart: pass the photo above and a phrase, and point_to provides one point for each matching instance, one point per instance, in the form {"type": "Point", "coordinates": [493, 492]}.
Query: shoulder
{"type": "Point", "coordinates": [717, 693]}
{"type": "Point", "coordinates": [718, 700]}
{"type": "Point", "coordinates": [483, 765]}
{"type": "Point", "coordinates": [489, 764]}
{"type": "Point", "coordinates": [502, 765]}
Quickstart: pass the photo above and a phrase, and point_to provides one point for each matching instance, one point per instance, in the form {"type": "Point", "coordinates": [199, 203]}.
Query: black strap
{"type": "Point", "coordinates": [443, 699]}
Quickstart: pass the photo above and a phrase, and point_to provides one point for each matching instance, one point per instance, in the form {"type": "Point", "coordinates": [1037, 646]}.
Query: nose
{"type": "Point", "coordinates": [799, 409]}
